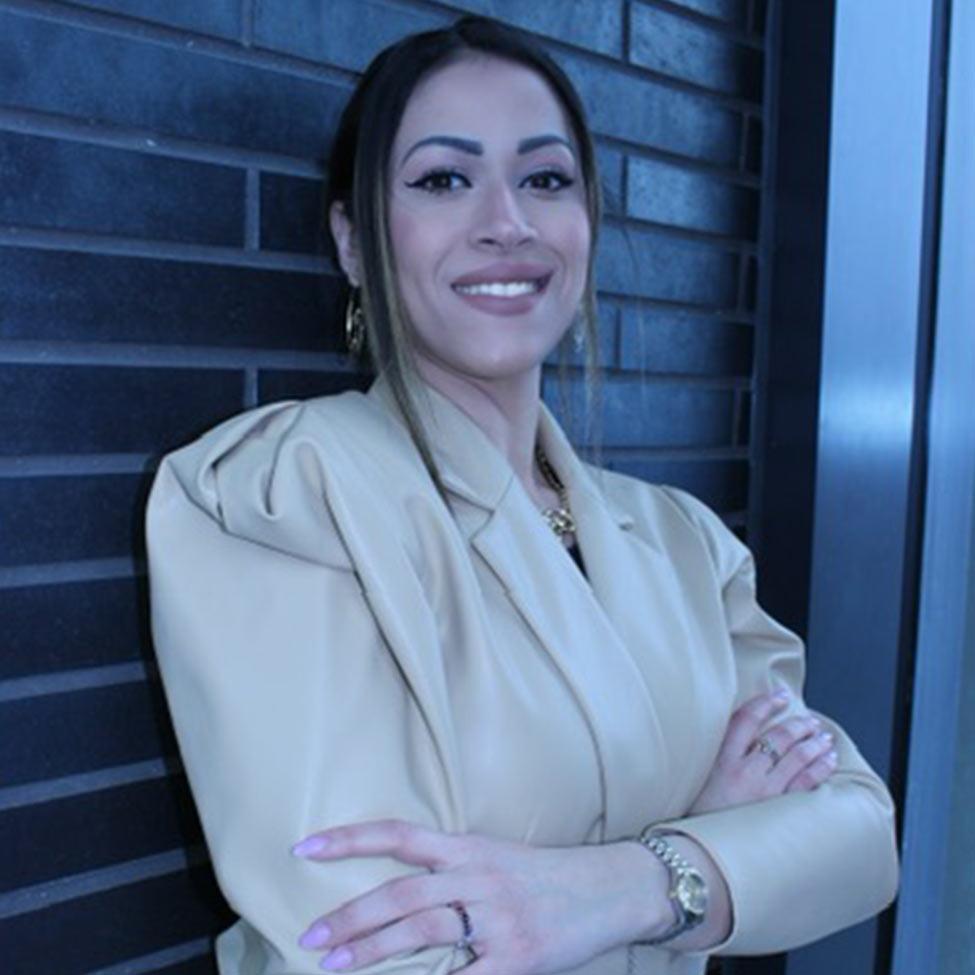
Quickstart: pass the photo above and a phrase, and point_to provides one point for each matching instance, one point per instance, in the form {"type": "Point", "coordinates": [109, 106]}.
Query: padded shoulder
{"type": "Point", "coordinates": [265, 475]}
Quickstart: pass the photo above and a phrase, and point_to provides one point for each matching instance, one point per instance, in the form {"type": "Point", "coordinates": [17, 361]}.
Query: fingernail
{"type": "Point", "coordinates": [781, 695]}
{"type": "Point", "coordinates": [832, 758]}
{"type": "Point", "coordinates": [340, 958]}
{"type": "Point", "coordinates": [825, 736]}
{"type": "Point", "coordinates": [316, 936]}
{"type": "Point", "coordinates": [310, 847]}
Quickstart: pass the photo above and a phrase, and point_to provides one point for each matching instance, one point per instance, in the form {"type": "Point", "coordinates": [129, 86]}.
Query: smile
{"type": "Point", "coordinates": [501, 289]}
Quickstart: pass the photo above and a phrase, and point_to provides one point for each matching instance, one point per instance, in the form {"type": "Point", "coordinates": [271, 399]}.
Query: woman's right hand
{"type": "Point", "coordinates": [794, 755]}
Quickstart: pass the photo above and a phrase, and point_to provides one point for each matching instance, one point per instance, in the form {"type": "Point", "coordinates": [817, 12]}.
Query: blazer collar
{"type": "Point", "coordinates": [472, 468]}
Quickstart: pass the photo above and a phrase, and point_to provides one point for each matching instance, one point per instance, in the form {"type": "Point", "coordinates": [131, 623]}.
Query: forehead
{"type": "Point", "coordinates": [483, 97]}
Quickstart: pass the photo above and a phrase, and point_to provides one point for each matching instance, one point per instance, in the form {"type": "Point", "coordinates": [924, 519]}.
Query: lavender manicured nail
{"type": "Point", "coordinates": [310, 847]}
{"type": "Point", "coordinates": [334, 960]}
{"type": "Point", "coordinates": [316, 936]}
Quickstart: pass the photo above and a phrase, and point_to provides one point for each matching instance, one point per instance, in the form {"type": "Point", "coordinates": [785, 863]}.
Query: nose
{"type": "Point", "coordinates": [502, 221]}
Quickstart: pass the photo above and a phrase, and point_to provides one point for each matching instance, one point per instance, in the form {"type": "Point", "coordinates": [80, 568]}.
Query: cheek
{"type": "Point", "coordinates": [419, 240]}
{"type": "Point", "coordinates": [583, 243]}
{"type": "Point", "coordinates": [572, 232]}
{"type": "Point", "coordinates": [403, 238]}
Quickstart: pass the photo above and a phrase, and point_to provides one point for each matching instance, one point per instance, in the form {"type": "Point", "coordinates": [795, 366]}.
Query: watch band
{"type": "Point", "coordinates": [688, 889]}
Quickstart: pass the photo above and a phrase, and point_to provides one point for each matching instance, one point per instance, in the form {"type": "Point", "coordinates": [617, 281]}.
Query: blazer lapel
{"type": "Point", "coordinates": [558, 605]}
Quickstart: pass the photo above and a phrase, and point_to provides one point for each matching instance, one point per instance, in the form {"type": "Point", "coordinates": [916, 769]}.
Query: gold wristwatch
{"type": "Point", "coordinates": [688, 889]}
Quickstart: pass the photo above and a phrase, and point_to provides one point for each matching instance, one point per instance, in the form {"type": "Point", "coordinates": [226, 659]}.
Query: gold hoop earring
{"type": "Point", "coordinates": [355, 324]}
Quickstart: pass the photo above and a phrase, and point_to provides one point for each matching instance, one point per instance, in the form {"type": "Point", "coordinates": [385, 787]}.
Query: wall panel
{"type": "Point", "coordinates": [162, 267]}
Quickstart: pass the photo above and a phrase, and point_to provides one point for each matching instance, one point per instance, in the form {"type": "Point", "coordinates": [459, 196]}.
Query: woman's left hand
{"type": "Point", "coordinates": [530, 909]}
{"type": "Point", "coordinates": [793, 755]}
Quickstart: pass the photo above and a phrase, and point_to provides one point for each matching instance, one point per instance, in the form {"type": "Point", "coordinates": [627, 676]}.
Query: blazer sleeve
{"type": "Point", "coordinates": [802, 865]}
{"type": "Point", "coordinates": [291, 716]}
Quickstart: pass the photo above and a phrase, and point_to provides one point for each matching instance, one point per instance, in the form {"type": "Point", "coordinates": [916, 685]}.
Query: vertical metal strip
{"type": "Point", "coordinates": [938, 834]}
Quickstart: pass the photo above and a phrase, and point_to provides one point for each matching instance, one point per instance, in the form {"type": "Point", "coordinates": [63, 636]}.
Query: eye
{"type": "Point", "coordinates": [440, 181]}
{"type": "Point", "coordinates": [547, 180]}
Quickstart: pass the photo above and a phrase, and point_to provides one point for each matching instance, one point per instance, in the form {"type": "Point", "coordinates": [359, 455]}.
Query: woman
{"type": "Point", "coordinates": [413, 631]}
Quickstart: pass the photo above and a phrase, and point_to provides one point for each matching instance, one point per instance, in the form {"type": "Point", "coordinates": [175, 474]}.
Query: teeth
{"type": "Point", "coordinates": [500, 289]}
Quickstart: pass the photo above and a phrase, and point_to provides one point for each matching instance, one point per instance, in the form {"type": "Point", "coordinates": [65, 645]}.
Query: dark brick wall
{"type": "Point", "coordinates": [161, 269]}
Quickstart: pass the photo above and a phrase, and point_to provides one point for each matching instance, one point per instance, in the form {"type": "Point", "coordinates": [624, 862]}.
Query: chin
{"type": "Point", "coordinates": [488, 351]}
{"type": "Point", "coordinates": [504, 363]}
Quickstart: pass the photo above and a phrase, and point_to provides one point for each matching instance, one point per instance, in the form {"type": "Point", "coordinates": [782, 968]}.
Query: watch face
{"type": "Point", "coordinates": [692, 892]}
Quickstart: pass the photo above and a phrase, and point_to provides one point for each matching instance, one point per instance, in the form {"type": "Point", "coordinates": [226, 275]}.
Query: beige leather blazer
{"type": "Point", "coordinates": [338, 644]}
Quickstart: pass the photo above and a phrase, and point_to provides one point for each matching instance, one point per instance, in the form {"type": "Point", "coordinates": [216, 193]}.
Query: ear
{"type": "Point", "coordinates": [343, 233]}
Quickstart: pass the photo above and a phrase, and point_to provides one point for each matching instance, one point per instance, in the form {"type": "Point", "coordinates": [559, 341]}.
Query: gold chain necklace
{"type": "Point", "coordinates": [559, 519]}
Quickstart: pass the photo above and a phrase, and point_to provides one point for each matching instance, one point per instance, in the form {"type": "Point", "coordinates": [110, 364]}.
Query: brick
{"type": "Point", "coordinates": [107, 79]}
{"type": "Point", "coordinates": [79, 624]}
{"type": "Point", "coordinates": [731, 11]}
{"type": "Point", "coordinates": [667, 194]}
{"type": "Point", "coordinates": [594, 26]}
{"type": "Point", "coordinates": [720, 484]}
{"type": "Point", "coordinates": [644, 111]}
{"type": "Point", "coordinates": [610, 163]}
{"type": "Point", "coordinates": [79, 731]}
{"type": "Point", "coordinates": [218, 17]}
{"type": "Point", "coordinates": [348, 33]}
{"type": "Point", "coordinates": [609, 326]}
{"type": "Point", "coordinates": [55, 295]}
{"type": "Point", "coordinates": [644, 414]}
{"type": "Point", "coordinates": [293, 215]}
{"type": "Point", "coordinates": [117, 924]}
{"type": "Point", "coordinates": [110, 524]}
{"type": "Point", "coordinates": [680, 48]}
{"type": "Point", "coordinates": [51, 183]}
{"type": "Point", "coordinates": [643, 264]}
{"type": "Point", "coordinates": [75, 410]}
{"type": "Point", "coordinates": [658, 341]}
{"type": "Point", "coordinates": [122, 823]}
{"type": "Point", "coordinates": [279, 384]}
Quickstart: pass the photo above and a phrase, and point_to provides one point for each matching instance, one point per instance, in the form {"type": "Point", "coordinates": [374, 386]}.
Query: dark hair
{"type": "Point", "coordinates": [358, 179]}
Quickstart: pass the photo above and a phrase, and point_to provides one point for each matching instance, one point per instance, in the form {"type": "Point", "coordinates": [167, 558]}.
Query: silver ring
{"type": "Point", "coordinates": [466, 939]}
{"type": "Point", "coordinates": [767, 748]}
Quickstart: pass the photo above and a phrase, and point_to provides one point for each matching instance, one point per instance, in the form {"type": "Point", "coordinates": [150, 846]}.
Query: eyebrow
{"type": "Point", "coordinates": [540, 141]}
{"type": "Point", "coordinates": [475, 148]}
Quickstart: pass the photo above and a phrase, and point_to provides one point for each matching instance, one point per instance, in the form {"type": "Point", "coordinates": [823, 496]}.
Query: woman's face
{"type": "Point", "coordinates": [488, 219]}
